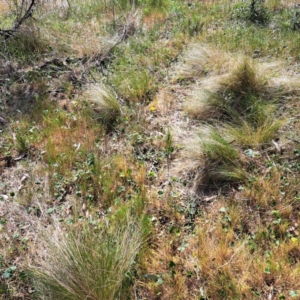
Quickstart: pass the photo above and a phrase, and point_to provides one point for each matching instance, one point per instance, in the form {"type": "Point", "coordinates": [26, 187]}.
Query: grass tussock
{"type": "Point", "coordinates": [257, 126]}
{"type": "Point", "coordinates": [105, 103]}
{"type": "Point", "coordinates": [138, 86]}
{"type": "Point", "coordinates": [244, 78]}
{"type": "Point", "coordinates": [221, 162]}
{"type": "Point", "coordinates": [200, 61]}
{"type": "Point", "coordinates": [233, 87]}
{"type": "Point", "coordinates": [255, 136]}
{"type": "Point", "coordinates": [228, 93]}
{"type": "Point", "coordinates": [221, 192]}
{"type": "Point", "coordinates": [88, 262]}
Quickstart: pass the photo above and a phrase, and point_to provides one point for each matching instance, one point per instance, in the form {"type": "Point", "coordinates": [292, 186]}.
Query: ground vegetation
{"type": "Point", "coordinates": [149, 149]}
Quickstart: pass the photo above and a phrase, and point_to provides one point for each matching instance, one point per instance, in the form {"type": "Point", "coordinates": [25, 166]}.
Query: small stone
{"type": "Point", "coordinates": [24, 178]}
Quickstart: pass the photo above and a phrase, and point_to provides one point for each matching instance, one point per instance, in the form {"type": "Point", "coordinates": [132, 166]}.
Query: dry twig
{"type": "Point", "coordinates": [7, 33]}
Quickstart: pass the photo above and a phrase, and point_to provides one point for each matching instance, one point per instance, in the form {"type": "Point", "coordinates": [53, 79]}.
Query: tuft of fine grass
{"type": "Point", "coordinates": [88, 262]}
{"type": "Point", "coordinates": [244, 78]}
{"type": "Point", "coordinates": [240, 90]}
{"type": "Point", "coordinates": [221, 162]}
{"type": "Point", "coordinates": [230, 92]}
{"type": "Point", "coordinates": [256, 125]}
{"type": "Point", "coordinates": [105, 103]}
{"type": "Point", "coordinates": [255, 136]}
{"type": "Point", "coordinates": [202, 60]}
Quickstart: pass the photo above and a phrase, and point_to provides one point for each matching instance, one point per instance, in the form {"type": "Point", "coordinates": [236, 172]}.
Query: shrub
{"type": "Point", "coordinates": [295, 19]}
{"type": "Point", "coordinates": [254, 11]}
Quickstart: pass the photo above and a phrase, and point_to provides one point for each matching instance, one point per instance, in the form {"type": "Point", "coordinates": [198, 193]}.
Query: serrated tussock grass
{"type": "Point", "coordinates": [200, 61]}
{"type": "Point", "coordinates": [233, 84]}
{"type": "Point", "coordinates": [105, 103]}
{"type": "Point", "coordinates": [230, 92]}
{"type": "Point", "coordinates": [89, 261]}
{"type": "Point", "coordinates": [246, 134]}
{"type": "Point", "coordinates": [220, 161]}
{"type": "Point", "coordinates": [237, 236]}
{"type": "Point", "coordinates": [256, 126]}
{"type": "Point", "coordinates": [244, 78]}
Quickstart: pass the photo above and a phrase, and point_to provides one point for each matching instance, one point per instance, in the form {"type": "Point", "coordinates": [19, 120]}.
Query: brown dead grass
{"type": "Point", "coordinates": [230, 266]}
{"type": "Point", "coordinates": [150, 20]}
{"type": "Point", "coordinates": [162, 103]}
{"type": "Point", "coordinates": [4, 7]}
{"type": "Point", "coordinates": [68, 140]}
{"type": "Point", "coordinates": [202, 60]}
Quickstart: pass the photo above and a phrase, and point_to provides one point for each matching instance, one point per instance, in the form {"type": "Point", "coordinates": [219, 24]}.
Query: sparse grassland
{"type": "Point", "coordinates": [150, 150]}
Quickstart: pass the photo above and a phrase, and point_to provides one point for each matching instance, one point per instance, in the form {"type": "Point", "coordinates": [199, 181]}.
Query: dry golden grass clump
{"type": "Point", "coordinates": [202, 60]}
{"type": "Point", "coordinates": [4, 7]}
{"type": "Point", "coordinates": [104, 102]}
